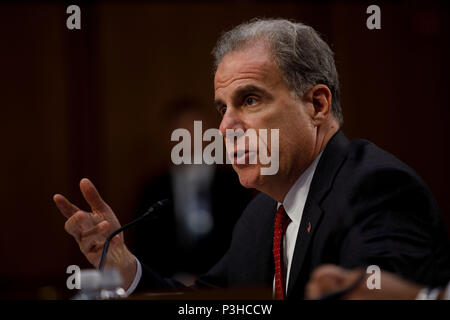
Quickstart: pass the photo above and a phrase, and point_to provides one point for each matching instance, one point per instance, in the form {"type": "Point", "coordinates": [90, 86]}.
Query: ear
{"type": "Point", "coordinates": [320, 97]}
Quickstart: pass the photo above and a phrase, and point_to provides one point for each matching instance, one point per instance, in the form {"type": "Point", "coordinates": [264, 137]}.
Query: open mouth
{"type": "Point", "coordinates": [244, 157]}
{"type": "Point", "coordinates": [239, 154]}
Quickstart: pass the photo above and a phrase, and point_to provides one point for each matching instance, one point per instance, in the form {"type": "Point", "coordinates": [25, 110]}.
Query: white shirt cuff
{"type": "Point", "coordinates": [137, 278]}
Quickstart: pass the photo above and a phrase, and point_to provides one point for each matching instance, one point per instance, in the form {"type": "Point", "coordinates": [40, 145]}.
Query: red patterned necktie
{"type": "Point", "coordinates": [281, 222]}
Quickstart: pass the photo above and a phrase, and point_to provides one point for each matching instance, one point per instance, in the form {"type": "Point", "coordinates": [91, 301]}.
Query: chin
{"type": "Point", "coordinates": [249, 176]}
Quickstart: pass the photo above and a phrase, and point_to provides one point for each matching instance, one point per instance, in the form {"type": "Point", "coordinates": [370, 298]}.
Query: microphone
{"type": "Point", "coordinates": [151, 212]}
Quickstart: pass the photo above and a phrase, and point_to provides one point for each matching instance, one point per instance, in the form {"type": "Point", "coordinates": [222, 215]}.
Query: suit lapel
{"type": "Point", "coordinates": [310, 220]}
{"type": "Point", "coordinates": [329, 164]}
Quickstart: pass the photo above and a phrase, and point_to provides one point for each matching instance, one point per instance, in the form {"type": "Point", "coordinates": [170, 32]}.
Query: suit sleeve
{"type": "Point", "coordinates": [244, 264]}
{"type": "Point", "coordinates": [214, 278]}
{"type": "Point", "coordinates": [397, 225]}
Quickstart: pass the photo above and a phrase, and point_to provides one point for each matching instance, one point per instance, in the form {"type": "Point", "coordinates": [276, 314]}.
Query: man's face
{"type": "Point", "coordinates": [250, 93]}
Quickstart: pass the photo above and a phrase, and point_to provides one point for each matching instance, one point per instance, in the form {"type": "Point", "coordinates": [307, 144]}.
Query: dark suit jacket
{"type": "Point", "coordinates": [365, 207]}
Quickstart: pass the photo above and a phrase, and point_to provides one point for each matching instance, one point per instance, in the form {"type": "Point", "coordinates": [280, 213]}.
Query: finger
{"type": "Point", "coordinates": [329, 283]}
{"type": "Point", "coordinates": [91, 245]}
{"type": "Point", "coordinates": [312, 291]}
{"type": "Point", "coordinates": [328, 270]}
{"type": "Point", "coordinates": [78, 223]}
{"type": "Point", "coordinates": [95, 241]}
{"type": "Point", "coordinates": [101, 228]}
{"type": "Point", "coordinates": [92, 196]}
{"type": "Point", "coordinates": [65, 206]}
{"type": "Point", "coordinates": [96, 217]}
{"type": "Point", "coordinates": [116, 241]}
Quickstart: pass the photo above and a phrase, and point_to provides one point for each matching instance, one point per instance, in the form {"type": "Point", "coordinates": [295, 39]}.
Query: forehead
{"type": "Point", "coordinates": [250, 64]}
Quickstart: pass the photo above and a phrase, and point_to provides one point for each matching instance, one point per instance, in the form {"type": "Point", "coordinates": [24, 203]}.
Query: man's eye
{"type": "Point", "coordinates": [222, 110]}
{"type": "Point", "coordinates": [250, 101]}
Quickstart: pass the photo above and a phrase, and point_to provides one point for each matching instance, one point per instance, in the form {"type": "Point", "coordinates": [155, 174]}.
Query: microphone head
{"type": "Point", "coordinates": [156, 206]}
{"type": "Point", "coordinates": [151, 212]}
{"type": "Point", "coordinates": [162, 203]}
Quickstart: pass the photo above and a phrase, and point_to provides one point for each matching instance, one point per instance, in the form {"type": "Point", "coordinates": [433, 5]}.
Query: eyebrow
{"type": "Point", "coordinates": [242, 91]}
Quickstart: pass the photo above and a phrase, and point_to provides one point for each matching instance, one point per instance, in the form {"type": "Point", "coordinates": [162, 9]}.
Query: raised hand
{"type": "Point", "coordinates": [90, 230]}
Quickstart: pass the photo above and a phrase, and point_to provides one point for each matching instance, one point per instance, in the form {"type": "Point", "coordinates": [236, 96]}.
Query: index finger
{"type": "Point", "coordinates": [65, 206]}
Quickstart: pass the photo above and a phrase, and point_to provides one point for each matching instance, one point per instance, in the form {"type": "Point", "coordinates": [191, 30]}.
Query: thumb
{"type": "Point", "coordinates": [115, 241]}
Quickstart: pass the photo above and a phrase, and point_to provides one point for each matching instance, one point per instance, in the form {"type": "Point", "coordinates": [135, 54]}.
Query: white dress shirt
{"type": "Point", "coordinates": [293, 203]}
{"type": "Point", "coordinates": [137, 278]}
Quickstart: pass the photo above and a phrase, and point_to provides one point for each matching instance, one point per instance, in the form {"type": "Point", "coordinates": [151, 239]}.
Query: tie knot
{"type": "Point", "coordinates": [281, 220]}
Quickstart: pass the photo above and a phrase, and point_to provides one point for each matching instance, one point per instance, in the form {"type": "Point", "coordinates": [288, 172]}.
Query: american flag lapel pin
{"type": "Point", "coordinates": [309, 227]}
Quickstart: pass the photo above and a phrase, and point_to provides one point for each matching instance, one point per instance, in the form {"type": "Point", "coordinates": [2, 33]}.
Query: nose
{"type": "Point", "coordinates": [231, 120]}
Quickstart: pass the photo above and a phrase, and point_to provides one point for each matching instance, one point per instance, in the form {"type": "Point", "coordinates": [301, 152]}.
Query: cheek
{"type": "Point", "coordinates": [296, 142]}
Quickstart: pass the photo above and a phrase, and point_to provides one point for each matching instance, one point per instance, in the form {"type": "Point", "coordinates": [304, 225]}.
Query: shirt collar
{"type": "Point", "coordinates": [295, 199]}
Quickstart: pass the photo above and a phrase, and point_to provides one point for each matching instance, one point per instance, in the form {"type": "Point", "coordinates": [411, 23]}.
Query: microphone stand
{"type": "Point", "coordinates": [150, 212]}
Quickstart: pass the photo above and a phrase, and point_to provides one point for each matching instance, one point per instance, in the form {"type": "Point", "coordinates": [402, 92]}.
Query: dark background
{"type": "Point", "coordinates": [89, 103]}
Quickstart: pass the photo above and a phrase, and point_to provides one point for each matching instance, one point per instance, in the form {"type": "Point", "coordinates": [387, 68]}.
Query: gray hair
{"type": "Point", "coordinates": [302, 56]}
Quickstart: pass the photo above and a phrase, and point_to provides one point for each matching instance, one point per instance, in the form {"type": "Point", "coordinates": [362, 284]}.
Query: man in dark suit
{"type": "Point", "coordinates": [331, 201]}
{"type": "Point", "coordinates": [365, 207]}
